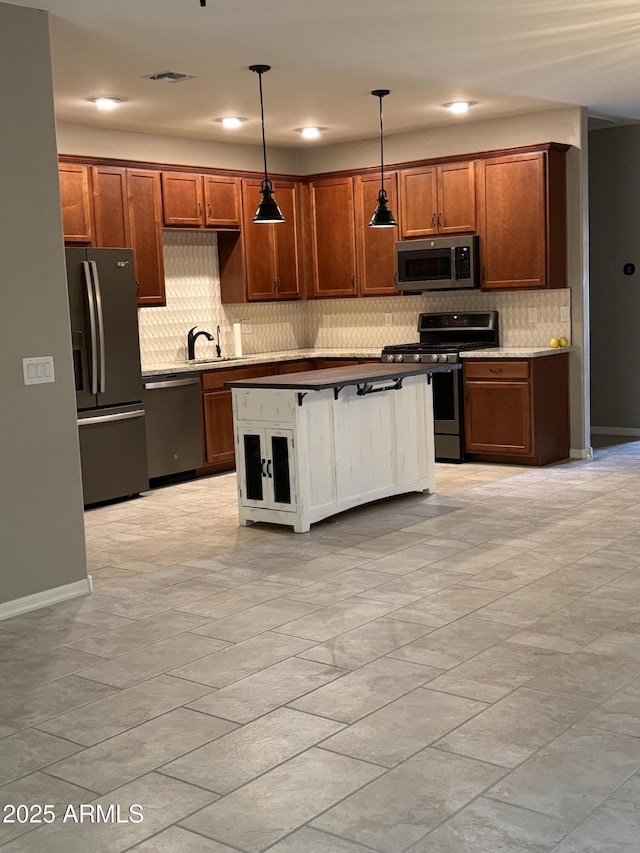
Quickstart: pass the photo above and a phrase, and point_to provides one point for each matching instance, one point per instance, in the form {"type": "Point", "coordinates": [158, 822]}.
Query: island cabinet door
{"type": "Point", "coordinates": [266, 468]}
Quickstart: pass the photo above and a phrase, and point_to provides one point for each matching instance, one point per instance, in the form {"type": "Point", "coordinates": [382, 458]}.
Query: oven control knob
{"type": "Point", "coordinates": [443, 357]}
{"type": "Point", "coordinates": [388, 357]}
{"type": "Point", "coordinates": [399, 357]}
{"type": "Point", "coordinates": [434, 357]}
{"type": "Point", "coordinates": [417, 357]}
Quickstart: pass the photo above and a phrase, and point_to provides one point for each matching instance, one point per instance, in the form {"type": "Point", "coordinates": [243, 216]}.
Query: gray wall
{"type": "Point", "coordinates": [41, 519]}
{"type": "Point", "coordinates": [614, 190]}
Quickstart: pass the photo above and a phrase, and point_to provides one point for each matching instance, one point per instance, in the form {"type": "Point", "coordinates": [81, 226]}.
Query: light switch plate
{"type": "Point", "coordinates": [246, 326]}
{"type": "Point", "coordinates": [533, 315]}
{"type": "Point", "coordinates": [326, 321]}
{"type": "Point", "coordinates": [565, 313]}
{"type": "Point", "coordinates": [38, 369]}
{"type": "Point", "coordinates": [388, 319]}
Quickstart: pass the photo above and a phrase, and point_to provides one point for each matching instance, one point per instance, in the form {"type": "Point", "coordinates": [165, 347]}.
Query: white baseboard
{"type": "Point", "coordinates": [581, 453]}
{"type": "Point", "coordinates": [632, 431]}
{"type": "Point", "coordinates": [45, 598]}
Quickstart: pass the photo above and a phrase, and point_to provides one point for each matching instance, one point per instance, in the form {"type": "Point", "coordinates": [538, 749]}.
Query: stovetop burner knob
{"type": "Point", "coordinates": [434, 357]}
{"type": "Point", "coordinates": [388, 357]}
{"type": "Point", "coordinates": [417, 357]}
{"type": "Point", "coordinates": [443, 357]}
{"type": "Point", "coordinates": [399, 357]}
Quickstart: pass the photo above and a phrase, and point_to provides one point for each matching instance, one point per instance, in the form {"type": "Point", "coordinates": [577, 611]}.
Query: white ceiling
{"type": "Point", "coordinates": [511, 56]}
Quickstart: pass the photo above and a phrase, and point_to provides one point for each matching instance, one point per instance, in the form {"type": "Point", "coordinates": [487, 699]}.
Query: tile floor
{"type": "Point", "coordinates": [441, 674]}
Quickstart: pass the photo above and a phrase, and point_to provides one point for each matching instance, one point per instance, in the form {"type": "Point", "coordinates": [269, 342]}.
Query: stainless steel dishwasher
{"type": "Point", "coordinates": [173, 424]}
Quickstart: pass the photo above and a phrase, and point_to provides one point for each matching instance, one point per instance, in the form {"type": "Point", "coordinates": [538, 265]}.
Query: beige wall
{"type": "Point", "coordinates": [614, 177]}
{"type": "Point", "coordinates": [41, 520]}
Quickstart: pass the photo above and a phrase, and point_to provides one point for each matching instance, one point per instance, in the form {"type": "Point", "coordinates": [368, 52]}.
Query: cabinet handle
{"type": "Point", "coordinates": [466, 396]}
{"type": "Point", "coordinates": [199, 209]}
{"type": "Point", "coordinates": [269, 474]}
{"type": "Point", "coordinates": [353, 281]}
{"type": "Point", "coordinates": [433, 220]}
{"type": "Point", "coordinates": [482, 273]}
{"type": "Point", "coordinates": [495, 370]}
{"type": "Point", "coordinates": [209, 210]}
{"type": "Point", "coordinates": [439, 220]}
{"type": "Point", "coordinates": [262, 463]}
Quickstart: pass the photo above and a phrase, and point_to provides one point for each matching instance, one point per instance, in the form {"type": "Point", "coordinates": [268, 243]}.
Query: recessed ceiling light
{"type": "Point", "coordinates": [459, 107]}
{"type": "Point", "coordinates": [231, 122]}
{"type": "Point", "coordinates": [310, 132]}
{"type": "Point", "coordinates": [106, 103]}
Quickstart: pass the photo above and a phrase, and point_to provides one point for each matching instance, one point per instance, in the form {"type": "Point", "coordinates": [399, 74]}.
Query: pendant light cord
{"type": "Point", "coordinates": [381, 152]}
{"type": "Point", "coordinates": [260, 69]}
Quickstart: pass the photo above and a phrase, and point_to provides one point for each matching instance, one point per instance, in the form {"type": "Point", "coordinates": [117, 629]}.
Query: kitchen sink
{"type": "Point", "coordinates": [207, 360]}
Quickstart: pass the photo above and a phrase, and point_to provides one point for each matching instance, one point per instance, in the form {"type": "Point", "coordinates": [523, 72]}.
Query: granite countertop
{"type": "Point", "coordinates": [514, 352]}
{"type": "Point", "coordinates": [255, 358]}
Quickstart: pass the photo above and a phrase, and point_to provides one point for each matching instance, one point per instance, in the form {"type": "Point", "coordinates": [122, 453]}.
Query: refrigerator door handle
{"type": "Point", "coordinates": [104, 419]}
{"type": "Point", "coordinates": [96, 284]}
{"type": "Point", "coordinates": [92, 325]}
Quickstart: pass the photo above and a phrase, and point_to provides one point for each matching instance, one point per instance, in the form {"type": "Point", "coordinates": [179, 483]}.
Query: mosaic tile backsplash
{"type": "Point", "coordinates": [193, 299]}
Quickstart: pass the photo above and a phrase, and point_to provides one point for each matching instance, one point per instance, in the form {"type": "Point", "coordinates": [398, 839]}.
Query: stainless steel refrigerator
{"type": "Point", "coordinates": [106, 358]}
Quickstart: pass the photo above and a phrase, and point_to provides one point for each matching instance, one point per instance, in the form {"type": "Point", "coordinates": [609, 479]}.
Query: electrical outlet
{"type": "Point", "coordinates": [388, 319]}
{"type": "Point", "coordinates": [565, 313]}
{"type": "Point", "coordinates": [326, 321]}
{"type": "Point", "coordinates": [533, 315]}
{"type": "Point", "coordinates": [246, 326]}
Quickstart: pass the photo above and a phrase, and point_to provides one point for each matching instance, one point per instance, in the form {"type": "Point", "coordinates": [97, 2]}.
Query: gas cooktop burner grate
{"type": "Point", "coordinates": [451, 346]}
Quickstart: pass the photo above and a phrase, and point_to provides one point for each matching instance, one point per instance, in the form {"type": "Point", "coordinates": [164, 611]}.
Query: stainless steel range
{"type": "Point", "coordinates": [442, 338]}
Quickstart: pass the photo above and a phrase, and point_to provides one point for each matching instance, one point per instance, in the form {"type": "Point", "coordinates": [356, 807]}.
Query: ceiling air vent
{"type": "Point", "coordinates": [170, 76]}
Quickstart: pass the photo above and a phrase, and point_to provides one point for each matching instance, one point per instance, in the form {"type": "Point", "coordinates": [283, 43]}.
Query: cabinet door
{"type": "Point", "coordinates": [456, 198]}
{"type": "Point", "coordinates": [222, 202]}
{"type": "Point", "coordinates": [110, 206]}
{"type": "Point", "coordinates": [286, 242]}
{"type": "Point", "coordinates": [75, 197]}
{"type": "Point", "coordinates": [218, 427]}
{"type": "Point", "coordinates": [376, 246]}
{"type": "Point", "coordinates": [182, 201]}
{"type": "Point", "coordinates": [259, 247]}
{"type": "Point", "coordinates": [333, 237]}
{"type": "Point", "coordinates": [512, 222]}
{"type": "Point", "coordinates": [265, 468]}
{"type": "Point", "coordinates": [498, 417]}
{"type": "Point", "coordinates": [145, 220]}
{"type": "Point", "coordinates": [419, 202]}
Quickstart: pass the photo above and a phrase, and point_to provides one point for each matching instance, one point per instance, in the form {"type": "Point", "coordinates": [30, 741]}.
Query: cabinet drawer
{"type": "Point", "coordinates": [216, 378]}
{"type": "Point", "coordinates": [497, 369]}
{"type": "Point", "coordinates": [296, 366]}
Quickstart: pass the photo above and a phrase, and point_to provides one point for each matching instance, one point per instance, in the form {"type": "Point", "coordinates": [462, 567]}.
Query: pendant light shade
{"type": "Point", "coordinates": [268, 210]}
{"type": "Point", "coordinates": [382, 217]}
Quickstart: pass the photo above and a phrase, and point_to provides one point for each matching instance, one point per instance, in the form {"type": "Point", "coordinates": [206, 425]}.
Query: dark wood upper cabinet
{"type": "Point", "coordinates": [75, 197]}
{"type": "Point", "coordinates": [110, 206]}
{"type": "Point", "coordinates": [522, 221]}
{"type": "Point", "coordinates": [200, 201]}
{"type": "Point", "coordinates": [145, 222]}
{"type": "Point", "coordinates": [221, 202]}
{"type": "Point", "coordinates": [438, 199]}
{"type": "Point", "coordinates": [262, 263]}
{"type": "Point", "coordinates": [376, 247]}
{"type": "Point", "coordinates": [333, 248]}
{"type": "Point", "coordinates": [182, 199]}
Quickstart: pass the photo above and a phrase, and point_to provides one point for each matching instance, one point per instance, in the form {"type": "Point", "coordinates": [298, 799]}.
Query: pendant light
{"type": "Point", "coordinates": [268, 210]}
{"type": "Point", "coordinates": [383, 217]}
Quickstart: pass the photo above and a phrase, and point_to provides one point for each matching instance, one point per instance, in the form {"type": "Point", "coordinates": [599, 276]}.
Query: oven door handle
{"type": "Point", "coordinates": [454, 263]}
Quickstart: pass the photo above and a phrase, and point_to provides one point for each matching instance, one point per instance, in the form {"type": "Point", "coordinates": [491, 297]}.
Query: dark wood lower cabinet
{"type": "Point", "coordinates": [517, 410]}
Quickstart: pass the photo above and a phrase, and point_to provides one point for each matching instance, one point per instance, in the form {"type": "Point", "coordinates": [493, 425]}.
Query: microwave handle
{"type": "Point", "coordinates": [454, 263]}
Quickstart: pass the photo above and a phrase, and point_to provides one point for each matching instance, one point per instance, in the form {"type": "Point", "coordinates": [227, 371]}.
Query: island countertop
{"type": "Point", "coordinates": [338, 377]}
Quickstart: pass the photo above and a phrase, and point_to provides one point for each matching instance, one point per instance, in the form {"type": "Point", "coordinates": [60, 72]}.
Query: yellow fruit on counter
{"type": "Point", "coordinates": [563, 342]}
{"type": "Point", "coordinates": [554, 342]}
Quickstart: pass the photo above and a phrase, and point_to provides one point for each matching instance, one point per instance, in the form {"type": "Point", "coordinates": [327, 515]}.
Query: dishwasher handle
{"type": "Point", "coordinates": [171, 383]}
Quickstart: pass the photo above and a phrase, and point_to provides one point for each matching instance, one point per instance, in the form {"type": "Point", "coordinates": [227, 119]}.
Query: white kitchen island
{"type": "Point", "coordinates": [309, 445]}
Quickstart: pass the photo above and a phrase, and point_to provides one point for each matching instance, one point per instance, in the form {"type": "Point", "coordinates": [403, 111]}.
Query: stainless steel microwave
{"type": "Point", "coordinates": [441, 263]}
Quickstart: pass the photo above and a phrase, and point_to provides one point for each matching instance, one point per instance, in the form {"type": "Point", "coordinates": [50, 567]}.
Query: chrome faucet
{"type": "Point", "coordinates": [191, 341]}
